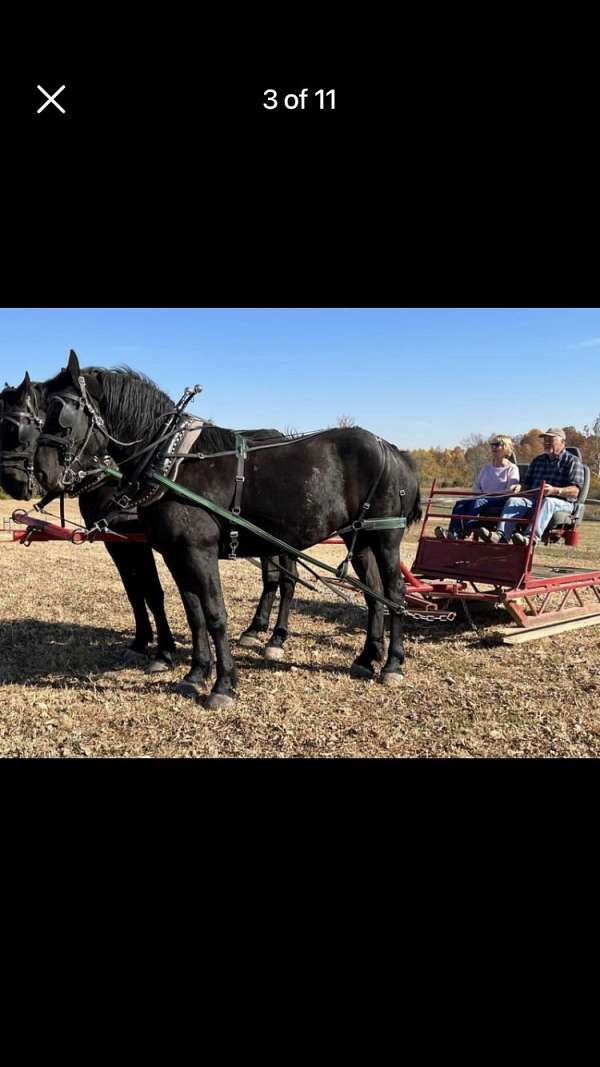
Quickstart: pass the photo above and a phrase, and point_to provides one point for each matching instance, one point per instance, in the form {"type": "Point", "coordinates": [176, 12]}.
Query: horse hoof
{"type": "Point", "coordinates": [158, 666]}
{"type": "Point", "coordinates": [133, 658]}
{"type": "Point", "coordinates": [358, 671]}
{"type": "Point", "coordinates": [392, 681]}
{"type": "Point", "coordinates": [274, 654]}
{"type": "Point", "coordinates": [246, 641]}
{"type": "Point", "coordinates": [219, 701]}
{"type": "Point", "coordinates": [190, 690]}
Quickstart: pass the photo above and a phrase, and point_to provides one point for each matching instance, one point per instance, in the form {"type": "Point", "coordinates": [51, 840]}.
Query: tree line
{"type": "Point", "coordinates": [458, 467]}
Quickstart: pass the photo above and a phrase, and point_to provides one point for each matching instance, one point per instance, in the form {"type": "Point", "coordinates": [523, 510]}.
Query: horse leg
{"type": "Point", "coordinates": [260, 622]}
{"type": "Point", "coordinates": [206, 564]}
{"type": "Point", "coordinates": [125, 562]}
{"type": "Point", "coordinates": [387, 553]}
{"type": "Point", "coordinates": [197, 679]}
{"type": "Point", "coordinates": [287, 585]}
{"type": "Point", "coordinates": [365, 565]}
{"type": "Point", "coordinates": [162, 659]}
{"type": "Point", "coordinates": [196, 570]}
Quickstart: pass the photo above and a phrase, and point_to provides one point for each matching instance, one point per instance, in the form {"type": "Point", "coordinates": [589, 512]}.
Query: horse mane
{"type": "Point", "coordinates": [132, 400]}
{"type": "Point", "coordinates": [216, 439]}
{"type": "Point", "coordinates": [129, 397]}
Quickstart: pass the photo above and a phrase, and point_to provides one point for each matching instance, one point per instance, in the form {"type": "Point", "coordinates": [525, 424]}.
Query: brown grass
{"type": "Point", "coordinates": [66, 691]}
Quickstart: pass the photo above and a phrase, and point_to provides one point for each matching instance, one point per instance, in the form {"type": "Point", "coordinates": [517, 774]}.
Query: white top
{"type": "Point", "coordinates": [493, 479]}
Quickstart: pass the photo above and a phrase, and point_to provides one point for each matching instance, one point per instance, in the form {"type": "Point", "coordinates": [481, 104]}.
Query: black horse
{"type": "Point", "coordinates": [301, 492]}
{"type": "Point", "coordinates": [22, 413]}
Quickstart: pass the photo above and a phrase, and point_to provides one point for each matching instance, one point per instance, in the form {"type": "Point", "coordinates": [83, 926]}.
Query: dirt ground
{"type": "Point", "coordinates": [68, 688]}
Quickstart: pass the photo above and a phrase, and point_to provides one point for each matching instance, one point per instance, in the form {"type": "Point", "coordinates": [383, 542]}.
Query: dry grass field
{"type": "Point", "coordinates": [67, 687]}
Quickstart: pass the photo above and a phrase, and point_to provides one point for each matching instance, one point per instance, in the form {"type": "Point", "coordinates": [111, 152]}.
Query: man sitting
{"type": "Point", "coordinates": [564, 475]}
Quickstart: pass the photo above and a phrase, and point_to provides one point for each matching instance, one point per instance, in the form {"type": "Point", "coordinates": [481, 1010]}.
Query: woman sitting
{"type": "Point", "coordinates": [501, 476]}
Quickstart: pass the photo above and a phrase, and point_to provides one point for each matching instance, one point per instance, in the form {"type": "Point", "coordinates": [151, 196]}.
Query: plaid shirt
{"type": "Point", "coordinates": [561, 470]}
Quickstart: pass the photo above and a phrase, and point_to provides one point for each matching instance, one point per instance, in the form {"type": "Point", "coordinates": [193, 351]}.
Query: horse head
{"type": "Point", "coordinates": [73, 429]}
{"type": "Point", "coordinates": [87, 411]}
{"type": "Point", "coordinates": [20, 427]}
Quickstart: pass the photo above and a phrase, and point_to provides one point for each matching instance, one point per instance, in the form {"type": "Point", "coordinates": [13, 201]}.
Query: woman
{"type": "Point", "coordinates": [501, 476]}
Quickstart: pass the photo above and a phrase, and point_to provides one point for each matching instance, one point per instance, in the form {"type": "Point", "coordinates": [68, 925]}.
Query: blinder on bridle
{"type": "Point", "coordinates": [69, 410]}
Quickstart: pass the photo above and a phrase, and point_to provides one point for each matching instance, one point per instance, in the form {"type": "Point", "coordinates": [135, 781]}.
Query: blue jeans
{"type": "Point", "coordinates": [521, 508]}
{"type": "Point", "coordinates": [463, 526]}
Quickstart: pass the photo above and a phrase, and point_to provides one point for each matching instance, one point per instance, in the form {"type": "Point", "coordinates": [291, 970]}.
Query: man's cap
{"type": "Point", "coordinates": [555, 431]}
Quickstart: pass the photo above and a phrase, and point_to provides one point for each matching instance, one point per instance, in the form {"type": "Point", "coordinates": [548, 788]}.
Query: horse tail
{"type": "Point", "coordinates": [415, 511]}
{"type": "Point", "coordinates": [416, 514]}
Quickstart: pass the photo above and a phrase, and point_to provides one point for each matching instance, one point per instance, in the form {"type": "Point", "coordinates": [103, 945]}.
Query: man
{"type": "Point", "coordinates": [564, 477]}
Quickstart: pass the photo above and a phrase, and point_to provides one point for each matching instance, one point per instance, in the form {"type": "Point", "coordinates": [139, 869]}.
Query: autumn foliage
{"type": "Point", "coordinates": [458, 466]}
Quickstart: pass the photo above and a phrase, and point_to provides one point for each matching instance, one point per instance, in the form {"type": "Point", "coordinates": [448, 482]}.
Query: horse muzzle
{"type": "Point", "coordinates": [48, 470]}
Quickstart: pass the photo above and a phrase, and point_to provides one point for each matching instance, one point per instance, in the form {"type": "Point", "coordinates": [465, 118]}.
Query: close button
{"type": "Point", "coordinates": [51, 99]}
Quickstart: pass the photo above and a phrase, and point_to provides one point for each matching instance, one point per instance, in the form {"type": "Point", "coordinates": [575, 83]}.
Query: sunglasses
{"type": "Point", "coordinates": [497, 444]}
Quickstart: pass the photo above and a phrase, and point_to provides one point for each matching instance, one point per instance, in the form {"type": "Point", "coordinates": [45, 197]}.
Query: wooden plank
{"type": "Point", "coordinates": [534, 622]}
{"type": "Point", "coordinates": [512, 636]}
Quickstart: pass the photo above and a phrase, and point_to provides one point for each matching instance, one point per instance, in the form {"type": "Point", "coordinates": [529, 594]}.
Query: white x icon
{"type": "Point", "coordinates": [51, 99]}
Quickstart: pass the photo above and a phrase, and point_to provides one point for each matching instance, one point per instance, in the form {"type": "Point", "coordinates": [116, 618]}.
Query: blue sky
{"type": "Point", "coordinates": [420, 377]}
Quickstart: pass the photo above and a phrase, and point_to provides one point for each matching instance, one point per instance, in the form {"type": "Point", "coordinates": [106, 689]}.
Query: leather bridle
{"type": "Point", "coordinates": [28, 423]}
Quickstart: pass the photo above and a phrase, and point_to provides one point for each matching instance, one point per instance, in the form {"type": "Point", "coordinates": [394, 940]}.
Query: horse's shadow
{"type": "Point", "coordinates": [348, 615]}
{"type": "Point", "coordinates": [31, 649]}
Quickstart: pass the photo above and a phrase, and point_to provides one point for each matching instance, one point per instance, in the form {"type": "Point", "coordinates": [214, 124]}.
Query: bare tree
{"type": "Point", "coordinates": [593, 445]}
{"type": "Point", "coordinates": [346, 422]}
{"type": "Point", "coordinates": [477, 453]}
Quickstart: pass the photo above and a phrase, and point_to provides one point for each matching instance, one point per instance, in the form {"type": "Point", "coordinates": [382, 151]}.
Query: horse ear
{"type": "Point", "coordinates": [23, 389]}
{"type": "Point", "coordinates": [73, 367]}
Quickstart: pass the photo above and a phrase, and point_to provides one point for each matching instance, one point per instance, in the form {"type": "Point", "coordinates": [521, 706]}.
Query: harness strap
{"type": "Point", "coordinates": [342, 571]}
{"type": "Point", "coordinates": [241, 451]}
{"type": "Point", "coordinates": [199, 456]}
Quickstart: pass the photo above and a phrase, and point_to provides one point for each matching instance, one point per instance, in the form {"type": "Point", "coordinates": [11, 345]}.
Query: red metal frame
{"type": "Point", "coordinates": [39, 531]}
{"type": "Point", "coordinates": [443, 571]}
{"type": "Point", "coordinates": [455, 570]}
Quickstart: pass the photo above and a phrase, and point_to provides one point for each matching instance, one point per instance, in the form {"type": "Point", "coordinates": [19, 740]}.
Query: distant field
{"type": "Point", "coordinates": [66, 690]}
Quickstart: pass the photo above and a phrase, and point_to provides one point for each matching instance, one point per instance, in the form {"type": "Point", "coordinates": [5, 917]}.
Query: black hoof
{"type": "Point", "coordinates": [191, 690]}
{"type": "Point", "coordinates": [133, 658]}
{"type": "Point", "coordinates": [358, 671]}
